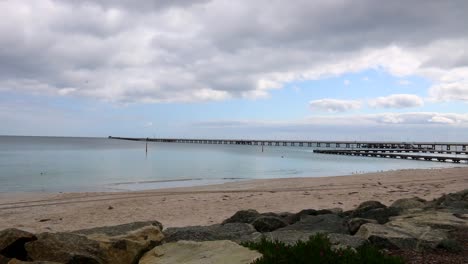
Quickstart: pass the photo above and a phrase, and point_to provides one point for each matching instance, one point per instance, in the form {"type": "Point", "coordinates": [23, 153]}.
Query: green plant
{"type": "Point", "coordinates": [317, 249]}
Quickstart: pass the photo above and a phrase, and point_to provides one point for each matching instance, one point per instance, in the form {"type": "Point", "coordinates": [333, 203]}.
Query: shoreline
{"type": "Point", "coordinates": [210, 204]}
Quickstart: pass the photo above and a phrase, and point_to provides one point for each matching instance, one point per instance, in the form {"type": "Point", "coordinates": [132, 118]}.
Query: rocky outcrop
{"type": "Point", "coordinates": [374, 210]}
{"type": "Point", "coordinates": [327, 223]}
{"type": "Point", "coordinates": [458, 200]}
{"type": "Point", "coordinates": [190, 252]}
{"type": "Point", "coordinates": [268, 223]}
{"type": "Point", "coordinates": [230, 231]}
{"type": "Point", "coordinates": [118, 244]}
{"type": "Point", "coordinates": [12, 243]}
{"type": "Point", "coordinates": [355, 223]}
{"type": "Point", "coordinates": [409, 203]}
{"type": "Point", "coordinates": [408, 237]}
{"type": "Point", "coordinates": [243, 216]}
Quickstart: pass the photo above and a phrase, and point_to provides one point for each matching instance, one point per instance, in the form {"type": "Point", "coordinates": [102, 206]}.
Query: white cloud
{"type": "Point", "coordinates": [397, 101]}
{"type": "Point", "coordinates": [168, 51]}
{"type": "Point", "coordinates": [346, 82]}
{"type": "Point", "coordinates": [334, 105]}
{"type": "Point", "coordinates": [450, 91]}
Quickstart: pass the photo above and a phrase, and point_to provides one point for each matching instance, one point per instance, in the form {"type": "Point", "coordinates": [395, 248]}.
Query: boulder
{"type": "Point", "coordinates": [268, 223]}
{"type": "Point", "coordinates": [374, 210]}
{"type": "Point", "coordinates": [355, 223]}
{"type": "Point", "coordinates": [65, 248]}
{"type": "Point", "coordinates": [403, 237]}
{"type": "Point", "coordinates": [148, 234]}
{"type": "Point", "coordinates": [435, 219]}
{"type": "Point", "coordinates": [243, 216]}
{"type": "Point", "coordinates": [118, 244]}
{"type": "Point", "coordinates": [409, 203]}
{"type": "Point", "coordinates": [327, 223]}
{"type": "Point", "coordinates": [191, 252]}
{"type": "Point", "coordinates": [345, 241]}
{"type": "Point", "coordinates": [457, 200]}
{"type": "Point", "coordinates": [12, 243]}
{"type": "Point", "coordinates": [369, 205]}
{"type": "Point", "coordinates": [231, 231]}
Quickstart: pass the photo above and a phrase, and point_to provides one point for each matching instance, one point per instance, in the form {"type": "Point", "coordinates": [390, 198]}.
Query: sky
{"type": "Point", "coordinates": [300, 69]}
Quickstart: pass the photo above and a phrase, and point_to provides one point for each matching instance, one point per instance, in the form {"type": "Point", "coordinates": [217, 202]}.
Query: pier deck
{"type": "Point", "coordinates": [435, 151]}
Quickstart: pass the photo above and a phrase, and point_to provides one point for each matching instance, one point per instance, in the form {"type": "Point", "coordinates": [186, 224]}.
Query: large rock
{"type": "Point", "coordinates": [148, 234]}
{"type": "Point", "coordinates": [374, 210]}
{"type": "Point", "coordinates": [443, 220]}
{"type": "Point", "coordinates": [65, 248]}
{"type": "Point", "coordinates": [268, 223]}
{"type": "Point", "coordinates": [231, 231]}
{"type": "Point", "coordinates": [12, 243]}
{"type": "Point", "coordinates": [327, 223]}
{"type": "Point", "coordinates": [409, 203]}
{"type": "Point", "coordinates": [119, 244]}
{"type": "Point", "coordinates": [403, 237]}
{"type": "Point", "coordinates": [243, 216]}
{"type": "Point", "coordinates": [190, 252]}
{"type": "Point", "coordinates": [457, 200]}
{"type": "Point", "coordinates": [345, 241]}
{"type": "Point", "coordinates": [355, 223]}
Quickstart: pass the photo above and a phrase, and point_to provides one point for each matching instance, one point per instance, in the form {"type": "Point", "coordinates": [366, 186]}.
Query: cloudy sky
{"type": "Point", "coordinates": [330, 69]}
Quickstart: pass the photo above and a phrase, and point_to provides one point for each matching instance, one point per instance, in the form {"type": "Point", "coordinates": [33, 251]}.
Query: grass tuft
{"type": "Point", "coordinates": [317, 249]}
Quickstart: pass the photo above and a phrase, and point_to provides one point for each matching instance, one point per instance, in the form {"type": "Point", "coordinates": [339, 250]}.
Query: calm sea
{"type": "Point", "coordinates": [54, 164]}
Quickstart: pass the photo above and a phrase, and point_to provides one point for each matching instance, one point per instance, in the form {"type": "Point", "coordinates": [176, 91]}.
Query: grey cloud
{"type": "Point", "coordinates": [334, 105]}
{"type": "Point", "coordinates": [397, 101]}
{"type": "Point", "coordinates": [165, 51]}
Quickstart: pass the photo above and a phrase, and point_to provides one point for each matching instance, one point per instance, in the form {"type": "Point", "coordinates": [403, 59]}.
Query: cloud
{"type": "Point", "coordinates": [334, 105]}
{"type": "Point", "coordinates": [397, 101]}
{"type": "Point", "coordinates": [450, 91]}
{"type": "Point", "coordinates": [172, 51]}
{"type": "Point", "coordinates": [346, 82]}
{"type": "Point", "coordinates": [382, 119]}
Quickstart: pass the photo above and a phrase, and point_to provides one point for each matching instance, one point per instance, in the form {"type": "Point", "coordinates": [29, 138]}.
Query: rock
{"type": "Point", "coordinates": [345, 241]}
{"type": "Point", "coordinates": [231, 231]}
{"type": "Point", "coordinates": [65, 248]}
{"type": "Point", "coordinates": [355, 223]}
{"type": "Point", "coordinates": [374, 210]}
{"type": "Point", "coordinates": [435, 219]}
{"type": "Point", "coordinates": [12, 243]}
{"type": "Point", "coordinates": [327, 223]}
{"type": "Point", "coordinates": [243, 216]}
{"type": "Point", "coordinates": [119, 230]}
{"type": "Point", "coordinates": [291, 219]}
{"type": "Point", "coordinates": [403, 237]}
{"type": "Point", "coordinates": [119, 244]}
{"type": "Point", "coordinates": [457, 200]}
{"type": "Point", "coordinates": [190, 252]}
{"type": "Point", "coordinates": [147, 233]}
{"type": "Point", "coordinates": [268, 223]}
{"type": "Point", "coordinates": [369, 205]}
{"type": "Point", "coordinates": [409, 203]}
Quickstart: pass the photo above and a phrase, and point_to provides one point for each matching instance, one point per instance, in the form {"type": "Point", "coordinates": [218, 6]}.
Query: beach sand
{"type": "Point", "coordinates": [204, 205]}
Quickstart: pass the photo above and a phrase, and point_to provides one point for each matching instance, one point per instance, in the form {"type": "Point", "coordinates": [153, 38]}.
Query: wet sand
{"type": "Point", "coordinates": [206, 205]}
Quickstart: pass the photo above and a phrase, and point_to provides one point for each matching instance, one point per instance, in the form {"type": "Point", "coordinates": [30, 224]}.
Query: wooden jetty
{"type": "Point", "coordinates": [383, 154]}
{"type": "Point", "coordinates": [430, 151]}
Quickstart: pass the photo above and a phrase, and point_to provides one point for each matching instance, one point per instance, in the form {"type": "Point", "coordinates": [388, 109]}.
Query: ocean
{"type": "Point", "coordinates": [67, 164]}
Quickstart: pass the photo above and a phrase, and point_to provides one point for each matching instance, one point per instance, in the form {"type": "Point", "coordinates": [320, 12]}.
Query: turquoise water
{"type": "Point", "coordinates": [51, 164]}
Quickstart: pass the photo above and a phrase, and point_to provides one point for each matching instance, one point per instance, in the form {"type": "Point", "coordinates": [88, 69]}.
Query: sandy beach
{"type": "Point", "coordinates": [206, 205]}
